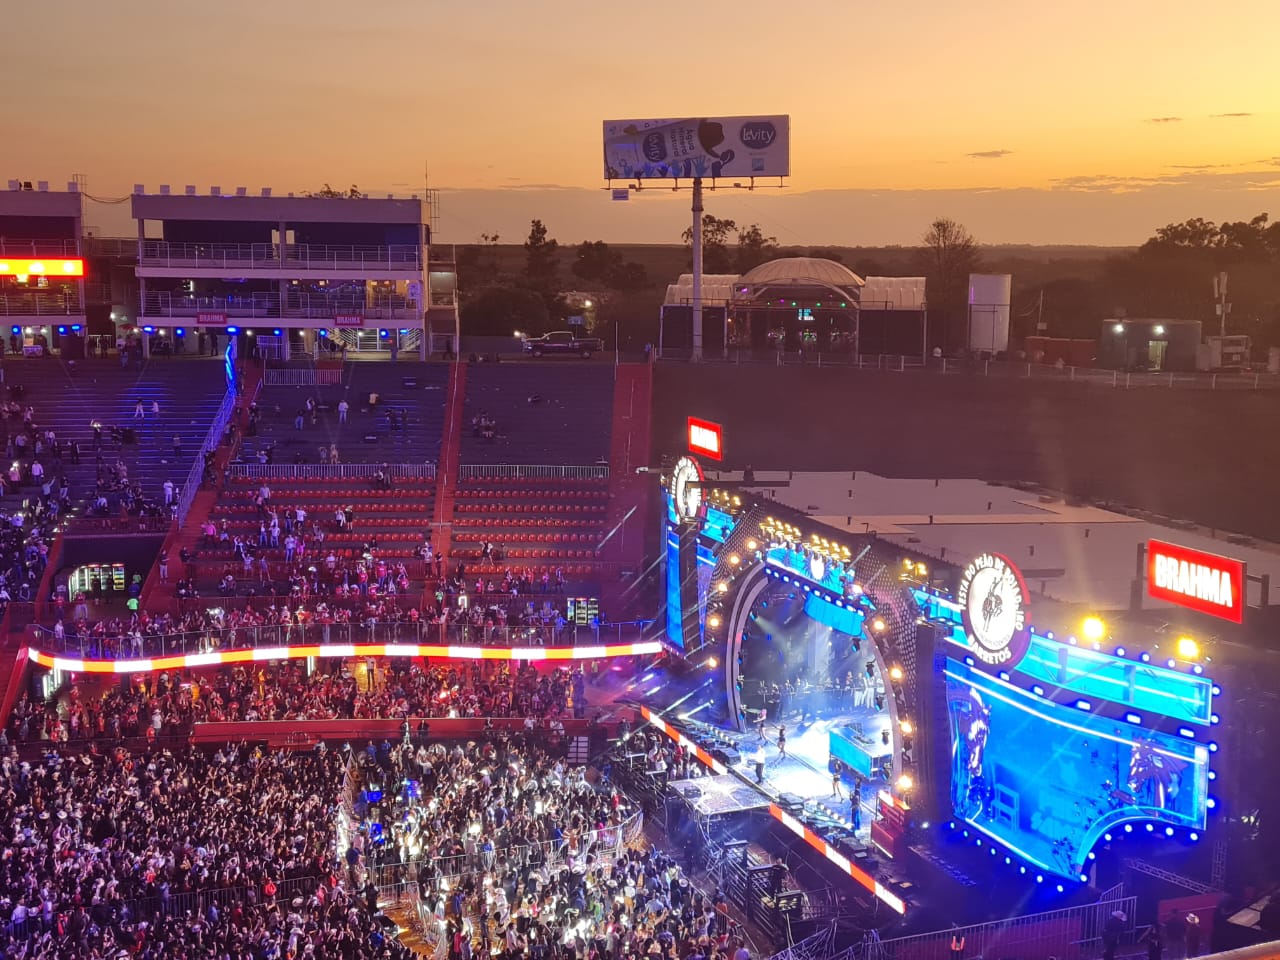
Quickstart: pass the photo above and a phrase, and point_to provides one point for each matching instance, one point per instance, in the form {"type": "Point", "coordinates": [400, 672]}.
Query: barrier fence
{"type": "Point", "coordinates": [212, 439]}
{"type": "Point", "coordinates": [1074, 933]}
{"type": "Point", "coordinates": [526, 471]}
{"type": "Point", "coordinates": [292, 377]}
{"type": "Point", "coordinates": [331, 471]}
{"type": "Point", "coordinates": [89, 647]}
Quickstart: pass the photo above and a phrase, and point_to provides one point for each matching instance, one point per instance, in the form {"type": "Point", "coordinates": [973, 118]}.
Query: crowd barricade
{"type": "Point", "coordinates": [214, 640]}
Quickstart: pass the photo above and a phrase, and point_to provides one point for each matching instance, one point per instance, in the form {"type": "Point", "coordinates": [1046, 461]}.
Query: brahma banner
{"type": "Point", "coordinates": [1199, 581]}
{"type": "Point", "coordinates": [710, 147]}
{"type": "Point", "coordinates": [706, 438]}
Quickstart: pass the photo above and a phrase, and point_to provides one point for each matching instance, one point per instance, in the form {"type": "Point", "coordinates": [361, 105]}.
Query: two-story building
{"type": "Point", "coordinates": [308, 275]}
{"type": "Point", "coordinates": [41, 268]}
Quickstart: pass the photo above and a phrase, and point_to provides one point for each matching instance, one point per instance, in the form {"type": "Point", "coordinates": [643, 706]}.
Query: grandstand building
{"type": "Point", "coordinates": [309, 275]}
{"type": "Point", "coordinates": [41, 265]}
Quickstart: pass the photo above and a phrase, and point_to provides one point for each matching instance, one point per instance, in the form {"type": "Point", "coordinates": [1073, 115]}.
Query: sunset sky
{"type": "Point", "coordinates": [1089, 123]}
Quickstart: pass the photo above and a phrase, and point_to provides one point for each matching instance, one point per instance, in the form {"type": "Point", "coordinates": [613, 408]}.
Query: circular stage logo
{"type": "Point", "coordinates": [686, 489]}
{"type": "Point", "coordinates": [994, 600]}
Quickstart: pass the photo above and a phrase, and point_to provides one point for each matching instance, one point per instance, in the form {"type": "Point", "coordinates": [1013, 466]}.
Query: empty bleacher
{"type": "Point", "coordinates": [547, 412]}
{"type": "Point", "coordinates": [537, 525]}
{"type": "Point", "coordinates": [411, 393]}
{"type": "Point", "coordinates": [67, 397]}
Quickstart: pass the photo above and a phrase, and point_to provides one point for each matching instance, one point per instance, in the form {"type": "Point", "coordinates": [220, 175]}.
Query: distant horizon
{"type": "Point", "coordinates": [854, 218]}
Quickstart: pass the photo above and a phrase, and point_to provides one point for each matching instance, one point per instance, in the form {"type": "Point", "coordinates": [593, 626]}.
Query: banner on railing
{"type": "Point", "coordinates": [211, 319]}
{"type": "Point", "coordinates": [348, 320]}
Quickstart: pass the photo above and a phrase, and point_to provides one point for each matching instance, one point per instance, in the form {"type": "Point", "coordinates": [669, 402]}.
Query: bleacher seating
{"type": "Point", "coordinates": [418, 408]}
{"type": "Point", "coordinates": [569, 424]}
{"type": "Point", "coordinates": [67, 397]}
{"type": "Point", "coordinates": [538, 525]}
{"type": "Point", "coordinates": [399, 518]}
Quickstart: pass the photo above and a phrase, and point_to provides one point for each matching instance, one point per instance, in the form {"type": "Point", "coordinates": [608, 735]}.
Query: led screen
{"type": "Point", "coordinates": [675, 624]}
{"type": "Point", "coordinates": [1047, 780]}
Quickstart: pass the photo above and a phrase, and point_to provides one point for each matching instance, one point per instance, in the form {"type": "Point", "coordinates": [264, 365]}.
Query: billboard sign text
{"type": "Point", "coordinates": [706, 438]}
{"type": "Point", "coordinates": [697, 147]}
{"type": "Point", "coordinates": [211, 319]}
{"type": "Point", "coordinates": [1199, 581]}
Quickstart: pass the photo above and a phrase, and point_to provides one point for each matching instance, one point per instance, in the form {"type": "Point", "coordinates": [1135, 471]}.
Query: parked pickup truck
{"type": "Point", "coordinates": [564, 342]}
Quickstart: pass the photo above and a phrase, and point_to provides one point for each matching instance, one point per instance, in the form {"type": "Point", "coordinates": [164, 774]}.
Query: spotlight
{"type": "Point", "coordinates": [1093, 628]}
{"type": "Point", "coordinates": [922, 570]}
{"type": "Point", "coordinates": [1188, 648]}
{"type": "Point", "coordinates": [895, 673]}
{"type": "Point", "coordinates": [752, 545]}
{"type": "Point", "coordinates": [722, 586]}
{"type": "Point", "coordinates": [878, 625]}
{"type": "Point", "coordinates": [713, 621]}
{"type": "Point", "coordinates": [734, 559]}
{"type": "Point", "coordinates": [905, 783]}
{"type": "Point", "coordinates": [906, 728]}
{"type": "Point", "coordinates": [712, 663]}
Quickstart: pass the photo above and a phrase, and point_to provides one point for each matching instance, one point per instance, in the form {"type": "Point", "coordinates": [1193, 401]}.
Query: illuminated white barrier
{"type": "Point", "coordinates": [344, 651]}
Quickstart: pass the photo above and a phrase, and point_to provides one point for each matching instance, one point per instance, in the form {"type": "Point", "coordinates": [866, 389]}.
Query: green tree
{"type": "Point", "coordinates": [328, 192]}
{"type": "Point", "coordinates": [499, 311]}
{"type": "Point", "coordinates": [948, 255]}
{"type": "Point", "coordinates": [715, 243]}
{"type": "Point", "coordinates": [754, 248]}
{"type": "Point", "coordinates": [595, 262]}
{"type": "Point", "coordinates": [541, 262]}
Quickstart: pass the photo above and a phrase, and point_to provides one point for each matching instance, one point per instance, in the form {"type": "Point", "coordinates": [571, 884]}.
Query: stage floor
{"type": "Point", "coordinates": [804, 771]}
{"type": "Point", "coordinates": [719, 796]}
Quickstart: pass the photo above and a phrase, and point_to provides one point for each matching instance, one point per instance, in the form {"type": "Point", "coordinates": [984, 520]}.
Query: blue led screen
{"type": "Point", "coordinates": [675, 627]}
{"type": "Point", "coordinates": [1047, 780]}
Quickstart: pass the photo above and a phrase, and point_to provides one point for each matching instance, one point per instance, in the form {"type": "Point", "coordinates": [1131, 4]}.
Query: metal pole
{"type": "Point", "coordinates": [696, 354]}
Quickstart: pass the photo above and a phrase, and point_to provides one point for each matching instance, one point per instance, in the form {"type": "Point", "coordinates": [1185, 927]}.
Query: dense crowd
{"type": "Point", "coordinates": [177, 855]}
{"type": "Point", "coordinates": [511, 848]}
{"type": "Point", "coordinates": [168, 704]}
{"type": "Point", "coordinates": [451, 614]}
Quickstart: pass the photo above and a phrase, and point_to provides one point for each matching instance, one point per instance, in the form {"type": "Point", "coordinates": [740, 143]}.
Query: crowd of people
{"type": "Point", "coordinates": [167, 704]}
{"type": "Point", "coordinates": [181, 855]}
{"type": "Point", "coordinates": [306, 611]}
{"type": "Point", "coordinates": [516, 852]}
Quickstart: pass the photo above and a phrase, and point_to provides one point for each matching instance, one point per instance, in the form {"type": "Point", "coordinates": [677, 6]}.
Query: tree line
{"type": "Point", "coordinates": [1171, 275]}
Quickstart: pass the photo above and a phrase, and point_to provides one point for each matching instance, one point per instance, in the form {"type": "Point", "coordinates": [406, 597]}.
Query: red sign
{"type": "Point", "coordinates": [1198, 581]}
{"type": "Point", "coordinates": [348, 320]}
{"type": "Point", "coordinates": [706, 438]}
{"type": "Point", "coordinates": [211, 319]}
{"type": "Point", "coordinates": [56, 267]}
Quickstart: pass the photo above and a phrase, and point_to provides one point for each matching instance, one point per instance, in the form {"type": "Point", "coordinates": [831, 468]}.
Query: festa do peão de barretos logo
{"type": "Point", "coordinates": [993, 599]}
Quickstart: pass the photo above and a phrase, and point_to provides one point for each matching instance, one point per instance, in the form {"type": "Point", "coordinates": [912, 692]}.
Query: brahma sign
{"type": "Point", "coordinates": [1204, 582]}
{"type": "Point", "coordinates": [706, 438]}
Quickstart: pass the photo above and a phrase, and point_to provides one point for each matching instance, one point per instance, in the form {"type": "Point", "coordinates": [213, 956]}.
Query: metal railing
{"type": "Point", "coordinates": [269, 305]}
{"type": "Point", "coordinates": [214, 640]}
{"type": "Point", "coordinates": [89, 525]}
{"type": "Point", "coordinates": [527, 471]}
{"type": "Point", "coordinates": [14, 247]}
{"type": "Point", "coordinates": [293, 377]}
{"type": "Point", "coordinates": [211, 442]}
{"type": "Point", "coordinates": [40, 305]}
{"type": "Point", "coordinates": [268, 256]}
{"type": "Point", "coordinates": [332, 471]}
{"type": "Point", "coordinates": [1072, 932]}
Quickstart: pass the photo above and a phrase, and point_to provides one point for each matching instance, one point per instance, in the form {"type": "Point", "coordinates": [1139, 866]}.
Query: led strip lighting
{"type": "Point", "coordinates": [861, 877]}
{"type": "Point", "coordinates": [345, 651]}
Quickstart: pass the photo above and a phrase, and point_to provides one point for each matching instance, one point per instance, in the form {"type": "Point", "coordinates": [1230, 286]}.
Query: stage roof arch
{"type": "Point", "coordinates": [802, 272]}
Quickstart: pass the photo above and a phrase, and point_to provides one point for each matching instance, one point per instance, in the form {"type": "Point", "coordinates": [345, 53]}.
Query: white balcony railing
{"type": "Point", "coordinates": [11, 247]}
{"type": "Point", "coordinates": [265, 305]}
{"type": "Point", "coordinates": [40, 305]}
{"type": "Point", "coordinates": [274, 256]}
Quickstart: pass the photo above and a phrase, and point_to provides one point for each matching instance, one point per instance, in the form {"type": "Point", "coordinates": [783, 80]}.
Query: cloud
{"type": "Point", "coordinates": [1164, 120]}
{"type": "Point", "coordinates": [988, 154]}
{"type": "Point", "coordinates": [1226, 116]}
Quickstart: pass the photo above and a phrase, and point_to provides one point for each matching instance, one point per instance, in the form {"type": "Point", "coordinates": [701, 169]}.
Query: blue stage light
{"type": "Point", "coordinates": [1022, 869]}
{"type": "Point", "coordinates": [1212, 803]}
{"type": "Point", "coordinates": [1197, 669]}
{"type": "Point", "coordinates": [1217, 690]}
{"type": "Point", "coordinates": [75, 328]}
{"type": "Point", "coordinates": [1106, 837]}
{"type": "Point", "coordinates": [148, 329]}
{"type": "Point", "coordinates": [1083, 705]}
{"type": "Point", "coordinates": [1214, 718]}
{"type": "Point", "coordinates": [1092, 855]}
{"type": "Point", "coordinates": [1145, 658]}
{"type": "Point", "coordinates": [15, 329]}
{"type": "Point", "coordinates": [1008, 859]}
{"type": "Point", "coordinates": [1004, 676]}
{"type": "Point", "coordinates": [179, 332]}
{"type": "Point", "coordinates": [1150, 828]}
{"type": "Point", "coordinates": [1128, 828]}
{"type": "Point", "coordinates": [233, 330]}
{"type": "Point", "coordinates": [1119, 651]}
{"type": "Point", "coordinates": [1060, 888]}
{"type": "Point", "coordinates": [1194, 836]}
{"type": "Point", "coordinates": [1213, 774]}
{"type": "Point", "coordinates": [275, 332]}
{"type": "Point", "coordinates": [1133, 718]}
{"type": "Point", "coordinates": [62, 331]}
{"type": "Point", "coordinates": [1168, 831]}
{"type": "Point", "coordinates": [1171, 663]}
{"type": "Point", "coordinates": [1213, 748]}
{"type": "Point", "coordinates": [1084, 878]}
{"type": "Point", "coordinates": [1186, 732]}
{"type": "Point", "coordinates": [1038, 690]}
{"type": "Point", "coordinates": [1039, 878]}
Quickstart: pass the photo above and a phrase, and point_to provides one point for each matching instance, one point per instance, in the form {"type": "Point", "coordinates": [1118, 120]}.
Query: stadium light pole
{"type": "Point", "coordinates": [696, 353]}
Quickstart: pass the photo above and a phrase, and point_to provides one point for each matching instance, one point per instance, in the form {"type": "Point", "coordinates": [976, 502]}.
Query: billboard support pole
{"type": "Point", "coordinates": [696, 354]}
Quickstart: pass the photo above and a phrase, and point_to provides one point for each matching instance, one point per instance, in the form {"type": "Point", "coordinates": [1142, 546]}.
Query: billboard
{"type": "Point", "coordinates": [1048, 781]}
{"type": "Point", "coordinates": [211, 319]}
{"type": "Point", "coordinates": [706, 438]}
{"type": "Point", "coordinates": [697, 147]}
{"type": "Point", "coordinates": [1199, 581]}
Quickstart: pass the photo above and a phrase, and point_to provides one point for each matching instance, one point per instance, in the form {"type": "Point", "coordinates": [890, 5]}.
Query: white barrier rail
{"type": "Point", "coordinates": [331, 471]}
{"type": "Point", "coordinates": [529, 471]}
